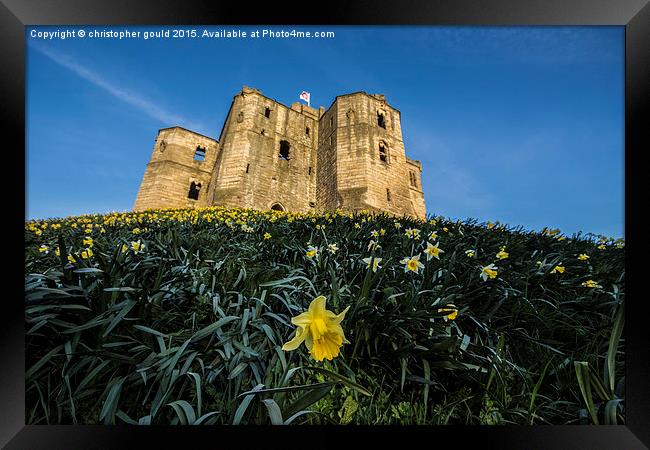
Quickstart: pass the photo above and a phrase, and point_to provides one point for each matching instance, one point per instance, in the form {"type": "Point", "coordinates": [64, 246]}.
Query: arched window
{"type": "Point", "coordinates": [194, 190]}
{"type": "Point", "coordinates": [284, 150]}
{"type": "Point", "coordinates": [388, 198]}
{"type": "Point", "coordinates": [277, 207]}
{"type": "Point", "coordinates": [381, 120]}
{"type": "Point", "coordinates": [383, 152]}
{"type": "Point", "coordinates": [199, 153]}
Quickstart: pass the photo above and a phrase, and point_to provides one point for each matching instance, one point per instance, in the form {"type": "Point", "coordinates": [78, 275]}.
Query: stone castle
{"type": "Point", "coordinates": [269, 156]}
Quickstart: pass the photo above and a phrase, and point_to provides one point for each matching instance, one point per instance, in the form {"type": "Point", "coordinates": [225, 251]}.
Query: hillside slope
{"type": "Point", "coordinates": [168, 316]}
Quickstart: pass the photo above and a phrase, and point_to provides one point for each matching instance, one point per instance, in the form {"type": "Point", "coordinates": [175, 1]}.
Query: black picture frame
{"type": "Point", "coordinates": [634, 15]}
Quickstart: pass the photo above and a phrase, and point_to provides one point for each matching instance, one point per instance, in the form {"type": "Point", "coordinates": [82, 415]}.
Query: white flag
{"type": "Point", "coordinates": [306, 96]}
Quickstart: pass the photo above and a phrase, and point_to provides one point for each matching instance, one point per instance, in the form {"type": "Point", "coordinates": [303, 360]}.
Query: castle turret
{"type": "Point", "coordinates": [179, 172]}
{"type": "Point", "coordinates": [362, 163]}
{"type": "Point", "coordinates": [268, 155]}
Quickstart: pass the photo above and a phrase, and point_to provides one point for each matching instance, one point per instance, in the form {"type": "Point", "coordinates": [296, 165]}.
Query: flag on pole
{"type": "Point", "coordinates": [306, 96]}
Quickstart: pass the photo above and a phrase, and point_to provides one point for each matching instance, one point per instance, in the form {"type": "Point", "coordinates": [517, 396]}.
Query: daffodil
{"type": "Point", "coordinates": [502, 254]}
{"type": "Point", "coordinates": [583, 257]}
{"type": "Point", "coordinates": [433, 236]}
{"type": "Point", "coordinates": [490, 225]}
{"type": "Point", "coordinates": [470, 253]}
{"type": "Point", "coordinates": [43, 249]}
{"type": "Point", "coordinates": [602, 247]}
{"type": "Point", "coordinates": [267, 236]}
{"type": "Point", "coordinates": [311, 252]}
{"type": "Point", "coordinates": [373, 245]}
{"type": "Point", "coordinates": [136, 231]}
{"type": "Point", "coordinates": [57, 252]}
{"type": "Point", "coordinates": [320, 330]}
{"type": "Point", "coordinates": [432, 251]}
{"type": "Point", "coordinates": [558, 269]}
{"type": "Point", "coordinates": [412, 233]}
{"type": "Point", "coordinates": [137, 246]}
{"type": "Point", "coordinates": [71, 259]}
{"type": "Point", "coordinates": [332, 248]}
{"type": "Point", "coordinates": [451, 310]}
{"type": "Point", "coordinates": [489, 271]}
{"type": "Point", "coordinates": [375, 263]}
{"type": "Point", "coordinates": [88, 242]}
{"type": "Point", "coordinates": [375, 234]}
{"type": "Point", "coordinates": [86, 253]}
{"type": "Point", "coordinates": [591, 284]}
{"type": "Point", "coordinates": [398, 225]}
{"type": "Point", "coordinates": [356, 225]}
{"type": "Point", "coordinates": [412, 264]}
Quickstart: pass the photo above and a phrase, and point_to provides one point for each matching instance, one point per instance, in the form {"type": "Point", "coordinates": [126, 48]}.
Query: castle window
{"type": "Point", "coordinates": [312, 204]}
{"type": "Point", "coordinates": [194, 191]}
{"type": "Point", "coordinates": [309, 170]}
{"type": "Point", "coordinates": [388, 194]}
{"type": "Point", "coordinates": [267, 112]}
{"type": "Point", "coordinates": [383, 152]}
{"type": "Point", "coordinates": [247, 167]}
{"type": "Point", "coordinates": [277, 207]}
{"type": "Point", "coordinates": [307, 131]}
{"type": "Point", "coordinates": [413, 179]}
{"type": "Point", "coordinates": [284, 150]}
{"type": "Point", "coordinates": [331, 140]}
{"type": "Point", "coordinates": [199, 153]}
{"type": "Point", "coordinates": [262, 132]}
{"type": "Point", "coordinates": [381, 121]}
{"type": "Point", "coordinates": [163, 144]}
{"type": "Point", "coordinates": [331, 122]}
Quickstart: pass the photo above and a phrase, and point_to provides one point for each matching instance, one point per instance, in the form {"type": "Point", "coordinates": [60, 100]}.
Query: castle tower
{"type": "Point", "coordinates": [362, 163]}
{"type": "Point", "coordinates": [179, 172]}
{"type": "Point", "coordinates": [268, 155]}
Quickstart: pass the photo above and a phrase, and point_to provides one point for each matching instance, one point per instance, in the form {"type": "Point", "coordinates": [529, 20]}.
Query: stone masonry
{"type": "Point", "coordinates": [269, 156]}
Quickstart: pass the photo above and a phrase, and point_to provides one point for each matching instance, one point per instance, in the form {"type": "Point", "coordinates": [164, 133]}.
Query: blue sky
{"type": "Point", "coordinates": [524, 125]}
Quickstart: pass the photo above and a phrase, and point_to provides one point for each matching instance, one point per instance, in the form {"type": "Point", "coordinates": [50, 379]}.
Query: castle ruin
{"type": "Point", "coordinates": [269, 156]}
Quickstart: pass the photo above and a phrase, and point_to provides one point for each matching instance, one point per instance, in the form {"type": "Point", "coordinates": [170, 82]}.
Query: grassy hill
{"type": "Point", "coordinates": [179, 316]}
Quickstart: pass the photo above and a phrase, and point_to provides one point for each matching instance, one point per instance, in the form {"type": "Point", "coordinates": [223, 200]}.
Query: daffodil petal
{"type": "Point", "coordinates": [296, 341]}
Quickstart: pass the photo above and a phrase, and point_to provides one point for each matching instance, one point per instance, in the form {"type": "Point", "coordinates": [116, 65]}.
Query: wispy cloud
{"type": "Point", "coordinates": [142, 104]}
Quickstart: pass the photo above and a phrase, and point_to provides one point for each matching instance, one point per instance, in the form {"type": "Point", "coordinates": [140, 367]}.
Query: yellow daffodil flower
{"type": "Point", "coordinates": [489, 271]}
{"type": "Point", "coordinates": [412, 263]}
{"type": "Point", "coordinates": [432, 251]}
{"type": "Point", "coordinates": [267, 236]}
{"type": "Point", "coordinates": [124, 248]}
{"type": "Point", "coordinates": [412, 233]}
{"type": "Point", "coordinates": [433, 236]}
{"type": "Point", "coordinates": [490, 225]}
{"type": "Point", "coordinates": [137, 246]}
{"type": "Point", "coordinates": [583, 257]}
{"type": "Point", "coordinates": [320, 330]}
{"type": "Point", "coordinates": [311, 252]}
{"type": "Point", "coordinates": [375, 263]}
{"type": "Point", "coordinates": [87, 253]}
{"type": "Point", "coordinates": [43, 249]}
{"type": "Point", "coordinates": [502, 254]}
{"type": "Point", "coordinates": [88, 242]}
{"type": "Point", "coordinates": [558, 269]}
{"type": "Point", "coordinates": [470, 253]}
{"type": "Point", "coordinates": [332, 248]}
{"type": "Point", "coordinates": [71, 259]}
{"type": "Point", "coordinates": [372, 245]}
{"type": "Point", "coordinates": [602, 247]}
{"type": "Point", "coordinates": [591, 284]}
{"type": "Point", "coordinates": [451, 310]}
{"type": "Point", "coordinates": [136, 231]}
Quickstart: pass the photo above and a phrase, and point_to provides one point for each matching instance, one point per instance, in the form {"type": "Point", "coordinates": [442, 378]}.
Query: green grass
{"type": "Point", "coordinates": [190, 330]}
